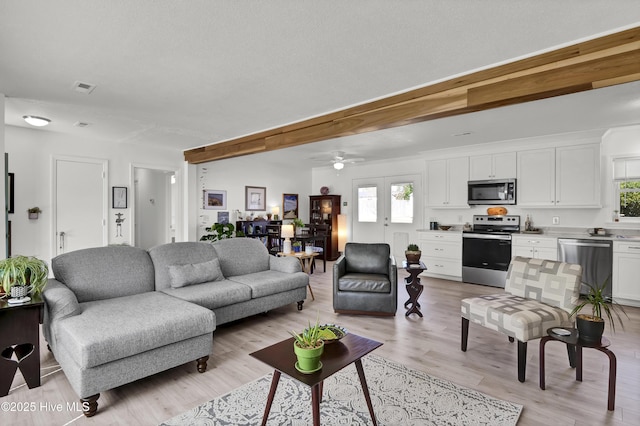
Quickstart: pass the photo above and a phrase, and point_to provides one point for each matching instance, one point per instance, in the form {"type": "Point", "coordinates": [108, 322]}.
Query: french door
{"type": "Point", "coordinates": [387, 209]}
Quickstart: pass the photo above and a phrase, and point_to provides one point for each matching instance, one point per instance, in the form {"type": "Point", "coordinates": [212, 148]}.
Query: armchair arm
{"type": "Point", "coordinates": [339, 269]}
{"type": "Point", "coordinates": [60, 301]}
{"type": "Point", "coordinates": [286, 264]}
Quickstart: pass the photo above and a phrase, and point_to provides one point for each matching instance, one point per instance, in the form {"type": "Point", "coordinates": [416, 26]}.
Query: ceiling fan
{"type": "Point", "coordinates": [339, 160]}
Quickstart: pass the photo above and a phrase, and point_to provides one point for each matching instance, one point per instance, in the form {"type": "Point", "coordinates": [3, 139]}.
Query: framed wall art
{"type": "Point", "coordinates": [290, 206]}
{"type": "Point", "coordinates": [255, 198]}
{"type": "Point", "coordinates": [214, 199]}
{"type": "Point", "coordinates": [119, 197]}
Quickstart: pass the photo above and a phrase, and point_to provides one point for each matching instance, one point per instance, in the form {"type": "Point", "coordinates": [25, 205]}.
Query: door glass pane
{"type": "Point", "coordinates": [367, 204]}
{"type": "Point", "coordinates": [402, 203]}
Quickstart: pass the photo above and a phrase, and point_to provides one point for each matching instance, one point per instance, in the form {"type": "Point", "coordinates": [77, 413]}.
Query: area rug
{"type": "Point", "coordinates": [400, 396]}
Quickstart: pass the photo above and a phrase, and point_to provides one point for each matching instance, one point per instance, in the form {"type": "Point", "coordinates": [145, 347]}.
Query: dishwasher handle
{"type": "Point", "coordinates": [583, 244]}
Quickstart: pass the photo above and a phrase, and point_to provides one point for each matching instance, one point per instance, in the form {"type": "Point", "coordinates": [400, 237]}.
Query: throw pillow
{"type": "Point", "coordinates": [195, 273]}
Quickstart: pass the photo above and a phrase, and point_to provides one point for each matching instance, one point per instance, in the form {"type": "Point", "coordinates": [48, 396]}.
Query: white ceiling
{"type": "Point", "coordinates": [181, 74]}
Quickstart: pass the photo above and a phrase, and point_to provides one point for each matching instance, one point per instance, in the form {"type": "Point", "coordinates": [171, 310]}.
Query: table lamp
{"type": "Point", "coordinates": [286, 233]}
{"type": "Point", "coordinates": [275, 211]}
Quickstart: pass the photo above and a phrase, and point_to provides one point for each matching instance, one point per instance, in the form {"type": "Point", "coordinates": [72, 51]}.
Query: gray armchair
{"type": "Point", "coordinates": [365, 280]}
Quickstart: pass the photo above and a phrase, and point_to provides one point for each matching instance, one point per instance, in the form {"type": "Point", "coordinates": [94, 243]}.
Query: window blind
{"type": "Point", "coordinates": [626, 169]}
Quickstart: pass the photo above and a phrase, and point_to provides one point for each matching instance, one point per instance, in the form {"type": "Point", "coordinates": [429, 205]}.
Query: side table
{"type": "Point", "coordinates": [20, 336]}
{"type": "Point", "coordinates": [573, 342]}
{"type": "Point", "coordinates": [414, 288]}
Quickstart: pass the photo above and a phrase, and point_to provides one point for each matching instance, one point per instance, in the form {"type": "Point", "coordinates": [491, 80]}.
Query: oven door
{"type": "Point", "coordinates": [486, 251]}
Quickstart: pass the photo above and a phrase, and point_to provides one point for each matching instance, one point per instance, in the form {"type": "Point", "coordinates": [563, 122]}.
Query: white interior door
{"type": "Point", "coordinates": [387, 209]}
{"type": "Point", "coordinates": [80, 204]}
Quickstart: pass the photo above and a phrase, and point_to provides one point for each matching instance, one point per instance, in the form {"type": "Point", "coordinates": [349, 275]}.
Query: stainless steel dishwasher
{"type": "Point", "coordinates": [595, 257]}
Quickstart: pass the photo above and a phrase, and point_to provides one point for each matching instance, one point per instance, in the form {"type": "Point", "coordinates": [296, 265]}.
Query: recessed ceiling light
{"type": "Point", "coordinates": [36, 121]}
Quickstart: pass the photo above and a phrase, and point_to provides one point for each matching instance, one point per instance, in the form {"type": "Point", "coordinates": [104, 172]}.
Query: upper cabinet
{"type": "Point", "coordinates": [492, 166]}
{"type": "Point", "coordinates": [447, 183]}
{"type": "Point", "coordinates": [559, 177]}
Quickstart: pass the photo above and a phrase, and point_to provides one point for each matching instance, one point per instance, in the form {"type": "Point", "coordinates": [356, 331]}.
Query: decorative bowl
{"type": "Point", "coordinates": [332, 333]}
{"type": "Point", "coordinates": [444, 227]}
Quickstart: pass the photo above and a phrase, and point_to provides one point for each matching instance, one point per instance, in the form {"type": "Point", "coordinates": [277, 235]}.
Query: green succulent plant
{"type": "Point", "coordinates": [413, 247]}
{"type": "Point", "coordinates": [601, 304]}
{"type": "Point", "coordinates": [310, 337]}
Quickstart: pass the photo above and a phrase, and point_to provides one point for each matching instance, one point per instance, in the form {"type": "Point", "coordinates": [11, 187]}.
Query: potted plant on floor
{"type": "Point", "coordinates": [591, 327]}
{"type": "Point", "coordinates": [22, 275]}
{"type": "Point", "coordinates": [413, 254]}
{"type": "Point", "coordinates": [308, 347]}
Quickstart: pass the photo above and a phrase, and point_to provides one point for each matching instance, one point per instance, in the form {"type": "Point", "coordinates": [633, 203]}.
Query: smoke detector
{"type": "Point", "coordinates": [82, 87]}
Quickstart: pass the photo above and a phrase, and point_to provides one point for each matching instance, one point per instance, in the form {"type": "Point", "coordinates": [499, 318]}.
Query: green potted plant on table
{"type": "Point", "coordinates": [219, 231]}
{"type": "Point", "coordinates": [591, 327]}
{"type": "Point", "coordinates": [296, 246]}
{"type": "Point", "coordinates": [23, 275]}
{"type": "Point", "coordinates": [298, 224]}
{"type": "Point", "coordinates": [413, 254]}
{"type": "Point", "coordinates": [308, 347]}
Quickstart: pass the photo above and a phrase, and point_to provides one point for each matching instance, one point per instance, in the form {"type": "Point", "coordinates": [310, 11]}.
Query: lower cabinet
{"type": "Point", "coordinates": [442, 254]}
{"type": "Point", "coordinates": [535, 246]}
{"type": "Point", "coordinates": [626, 267]}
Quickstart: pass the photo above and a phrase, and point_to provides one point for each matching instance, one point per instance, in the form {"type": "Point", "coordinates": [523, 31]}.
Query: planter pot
{"type": "Point", "coordinates": [33, 215]}
{"type": "Point", "coordinates": [590, 328]}
{"type": "Point", "coordinates": [19, 291]}
{"type": "Point", "coordinates": [413, 256]}
{"type": "Point", "coordinates": [297, 249]}
{"type": "Point", "coordinates": [308, 359]}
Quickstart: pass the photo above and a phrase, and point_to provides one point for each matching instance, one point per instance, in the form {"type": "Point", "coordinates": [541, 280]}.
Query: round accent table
{"type": "Point", "coordinates": [574, 349]}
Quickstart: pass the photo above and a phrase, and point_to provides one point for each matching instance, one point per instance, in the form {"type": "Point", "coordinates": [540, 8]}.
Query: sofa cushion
{"type": "Point", "coordinates": [212, 295]}
{"type": "Point", "coordinates": [195, 273]}
{"type": "Point", "coordinates": [182, 253]}
{"type": "Point", "coordinates": [108, 330]}
{"type": "Point", "coordinates": [239, 256]}
{"type": "Point", "coordinates": [271, 282]}
{"type": "Point", "coordinates": [105, 272]}
{"type": "Point", "coordinates": [367, 258]}
{"type": "Point", "coordinates": [370, 283]}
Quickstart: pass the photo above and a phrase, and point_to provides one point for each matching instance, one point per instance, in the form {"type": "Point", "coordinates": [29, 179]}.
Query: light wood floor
{"type": "Point", "coordinates": [430, 344]}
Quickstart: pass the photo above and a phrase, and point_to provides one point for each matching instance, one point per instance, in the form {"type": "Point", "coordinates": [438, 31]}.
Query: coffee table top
{"type": "Point", "coordinates": [336, 356]}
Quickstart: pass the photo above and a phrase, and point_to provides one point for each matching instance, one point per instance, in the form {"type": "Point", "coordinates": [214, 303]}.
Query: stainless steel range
{"type": "Point", "coordinates": [486, 249]}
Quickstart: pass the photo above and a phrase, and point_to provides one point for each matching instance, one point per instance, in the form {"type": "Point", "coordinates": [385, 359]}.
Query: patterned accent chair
{"type": "Point", "coordinates": [539, 294]}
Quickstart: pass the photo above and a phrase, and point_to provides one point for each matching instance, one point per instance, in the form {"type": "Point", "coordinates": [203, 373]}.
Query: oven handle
{"type": "Point", "coordinates": [487, 236]}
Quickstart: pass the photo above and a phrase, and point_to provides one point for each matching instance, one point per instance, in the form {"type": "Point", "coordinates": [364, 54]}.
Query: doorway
{"type": "Point", "coordinates": [155, 196]}
{"type": "Point", "coordinates": [80, 194]}
{"type": "Point", "coordinates": [387, 209]}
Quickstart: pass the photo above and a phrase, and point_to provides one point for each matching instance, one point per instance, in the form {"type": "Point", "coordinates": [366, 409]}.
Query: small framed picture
{"type": "Point", "coordinates": [290, 206]}
{"type": "Point", "coordinates": [214, 199]}
{"type": "Point", "coordinates": [255, 198]}
{"type": "Point", "coordinates": [119, 197]}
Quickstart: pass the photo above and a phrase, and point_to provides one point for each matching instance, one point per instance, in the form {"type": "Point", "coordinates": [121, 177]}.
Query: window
{"type": "Point", "coordinates": [626, 176]}
{"type": "Point", "coordinates": [367, 204]}
{"type": "Point", "coordinates": [402, 203]}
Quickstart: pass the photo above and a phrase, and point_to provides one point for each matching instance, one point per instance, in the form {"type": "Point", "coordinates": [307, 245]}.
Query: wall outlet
{"type": "Point", "coordinates": [555, 220]}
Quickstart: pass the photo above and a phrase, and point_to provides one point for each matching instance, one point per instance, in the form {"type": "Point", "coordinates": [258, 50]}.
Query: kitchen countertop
{"type": "Point", "coordinates": [616, 235]}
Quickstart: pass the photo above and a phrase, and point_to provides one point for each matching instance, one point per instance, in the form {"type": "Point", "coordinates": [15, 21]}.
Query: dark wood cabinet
{"type": "Point", "coordinates": [324, 209]}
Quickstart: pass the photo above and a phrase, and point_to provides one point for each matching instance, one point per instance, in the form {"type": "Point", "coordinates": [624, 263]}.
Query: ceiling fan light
{"type": "Point", "coordinates": [36, 121]}
{"type": "Point", "coordinates": [338, 166]}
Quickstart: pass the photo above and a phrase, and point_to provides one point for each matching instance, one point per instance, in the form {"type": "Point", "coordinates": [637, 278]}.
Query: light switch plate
{"type": "Point", "coordinates": [556, 220]}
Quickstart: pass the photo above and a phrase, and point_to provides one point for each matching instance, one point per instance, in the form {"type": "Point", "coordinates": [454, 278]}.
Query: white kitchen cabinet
{"type": "Point", "coordinates": [559, 177]}
{"type": "Point", "coordinates": [492, 166]}
{"type": "Point", "coordinates": [442, 253]}
{"type": "Point", "coordinates": [626, 268]}
{"type": "Point", "coordinates": [535, 246]}
{"type": "Point", "coordinates": [447, 183]}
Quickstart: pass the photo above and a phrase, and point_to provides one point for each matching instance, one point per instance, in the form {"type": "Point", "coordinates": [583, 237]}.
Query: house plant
{"type": "Point", "coordinates": [298, 224]}
{"type": "Point", "coordinates": [34, 212]}
{"type": "Point", "coordinates": [308, 347]}
{"type": "Point", "coordinates": [591, 327]}
{"type": "Point", "coordinates": [219, 232]}
{"type": "Point", "coordinates": [413, 254]}
{"type": "Point", "coordinates": [296, 246]}
{"type": "Point", "coordinates": [22, 275]}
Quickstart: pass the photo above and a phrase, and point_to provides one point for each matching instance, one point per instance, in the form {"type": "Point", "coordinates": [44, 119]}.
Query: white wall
{"type": "Point", "coordinates": [30, 156]}
{"type": "Point", "coordinates": [234, 174]}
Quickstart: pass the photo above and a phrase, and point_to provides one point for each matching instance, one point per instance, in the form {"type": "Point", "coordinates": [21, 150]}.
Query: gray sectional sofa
{"type": "Point", "coordinates": [116, 314]}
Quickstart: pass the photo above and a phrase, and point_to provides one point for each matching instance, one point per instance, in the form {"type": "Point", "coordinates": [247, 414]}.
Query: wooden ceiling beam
{"type": "Point", "coordinates": [608, 60]}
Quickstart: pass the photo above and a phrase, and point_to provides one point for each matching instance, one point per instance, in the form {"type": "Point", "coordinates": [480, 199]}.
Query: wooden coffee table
{"type": "Point", "coordinates": [350, 349]}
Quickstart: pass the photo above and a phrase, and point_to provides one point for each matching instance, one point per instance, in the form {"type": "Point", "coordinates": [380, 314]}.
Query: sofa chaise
{"type": "Point", "coordinates": [117, 314]}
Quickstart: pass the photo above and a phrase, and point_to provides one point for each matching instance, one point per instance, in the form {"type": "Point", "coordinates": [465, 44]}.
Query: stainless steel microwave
{"type": "Point", "coordinates": [494, 191]}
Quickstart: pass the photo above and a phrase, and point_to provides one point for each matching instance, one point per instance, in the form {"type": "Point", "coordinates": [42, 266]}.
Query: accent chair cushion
{"type": "Point", "coordinates": [367, 258]}
{"type": "Point", "coordinates": [195, 273]}
{"type": "Point", "coordinates": [370, 283]}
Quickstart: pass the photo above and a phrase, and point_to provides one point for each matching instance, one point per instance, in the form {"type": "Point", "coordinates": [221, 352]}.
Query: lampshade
{"type": "Point", "coordinates": [342, 231]}
{"type": "Point", "coordinates": [275, 210]}
{"type": "Point", "coordinates": [36, 121]}
{"type": "Point", "coordinates": [338, 165]}
{"type": "Point", "coordinates": [287, 231]}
